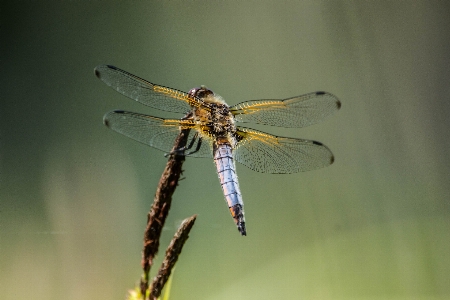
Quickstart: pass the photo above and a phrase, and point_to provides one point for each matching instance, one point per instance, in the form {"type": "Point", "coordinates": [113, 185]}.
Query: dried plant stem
{"type": "Point", "coordinates": [160, 208]}
{"type": "Point", "coordinates": [171, 257]}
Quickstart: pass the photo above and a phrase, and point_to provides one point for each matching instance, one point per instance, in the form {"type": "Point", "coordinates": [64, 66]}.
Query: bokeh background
{"type": "Point", "coordinates": [74, 195]}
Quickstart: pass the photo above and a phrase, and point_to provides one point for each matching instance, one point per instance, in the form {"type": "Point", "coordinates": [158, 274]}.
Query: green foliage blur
{"type": "Point", "coordinates": [74, 195]}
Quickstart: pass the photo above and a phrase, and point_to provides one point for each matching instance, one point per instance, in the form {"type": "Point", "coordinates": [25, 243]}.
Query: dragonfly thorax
{"type": "Point", "coordinates": [222, 119]}
{"type": "Point", "coordinates": [214, 116]}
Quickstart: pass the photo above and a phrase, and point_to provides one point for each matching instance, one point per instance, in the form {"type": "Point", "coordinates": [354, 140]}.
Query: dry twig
{"type": "Point", "coordinates": [160, 208]}
{"type": "Point", "coordinates": [172, 253]}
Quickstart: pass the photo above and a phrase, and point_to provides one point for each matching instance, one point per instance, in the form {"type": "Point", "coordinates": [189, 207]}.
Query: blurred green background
{"type": "Point", "coordinates": [74, 195]}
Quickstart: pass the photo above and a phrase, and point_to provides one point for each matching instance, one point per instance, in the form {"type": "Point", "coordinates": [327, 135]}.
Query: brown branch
{"type": "Point", "coordinates": [172, 253]}
{"type": "Point", "coordinates": [160, 208]}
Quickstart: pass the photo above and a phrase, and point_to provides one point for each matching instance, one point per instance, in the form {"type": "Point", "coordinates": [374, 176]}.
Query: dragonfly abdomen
{"type": "Point", "coordinates": [226, 169]}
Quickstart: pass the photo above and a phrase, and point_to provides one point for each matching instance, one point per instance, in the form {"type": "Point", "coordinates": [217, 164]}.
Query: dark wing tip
{"type": "Point", "coordinates": [97, 72]}
{"type": "Point", "coordinates": [338, 103]}
{"type": "Point", "coordinates": [97, 69]}
{"type": "Point", "coordinates": [320, 144]}
{"type": "Point", "coordinates": [106, 119]}
{"type": "Point", "coordinates": [317, 143]}
{"type": "Point", "coordinates": [112, 67]}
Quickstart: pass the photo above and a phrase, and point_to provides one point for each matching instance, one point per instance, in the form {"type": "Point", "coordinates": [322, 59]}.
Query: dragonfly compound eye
{"type": "Point", "coordinates": [200, 92]}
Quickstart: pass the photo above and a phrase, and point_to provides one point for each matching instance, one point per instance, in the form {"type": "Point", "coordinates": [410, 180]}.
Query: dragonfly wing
{"type": "Point", "coordinates": [298, 111]}
{"type": "Point", "coordinates": [155, 132]}
{"type": "Point", "coordinates": [145, 92]}
{"type": "Point", "coordinates": [266, 153]}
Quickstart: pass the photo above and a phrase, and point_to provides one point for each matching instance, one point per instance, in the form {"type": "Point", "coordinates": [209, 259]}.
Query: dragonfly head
{"type": "Point", "coordinates": [200, 92]}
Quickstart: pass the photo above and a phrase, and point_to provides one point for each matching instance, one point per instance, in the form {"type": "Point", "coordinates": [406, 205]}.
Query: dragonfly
{"type": "Point", "coordinates": [213, 132]}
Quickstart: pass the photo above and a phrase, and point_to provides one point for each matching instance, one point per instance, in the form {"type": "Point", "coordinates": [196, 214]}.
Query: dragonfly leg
{"type": "Point", "coordinates": [199, 144]}
{"type": "Point", "coordinates": [181, 151]}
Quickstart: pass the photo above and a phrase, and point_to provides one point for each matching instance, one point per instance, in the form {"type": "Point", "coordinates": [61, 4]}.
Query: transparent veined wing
{"type": "Point", "coordinates": [156, 132]}
{"type": "Point", "coordinates": [266, 153]}
{"type": "Point", "coordinates": [143, 91]}
{"type": "Point", "coordinates": [297, 111]}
